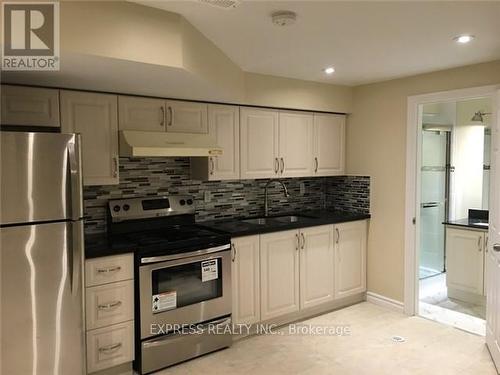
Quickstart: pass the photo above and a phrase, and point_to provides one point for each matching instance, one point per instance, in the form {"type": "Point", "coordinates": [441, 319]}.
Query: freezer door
{"type": "Point", "coordinates": [41, 305]}
{"type": "Point", "coordinates": [41, 177]}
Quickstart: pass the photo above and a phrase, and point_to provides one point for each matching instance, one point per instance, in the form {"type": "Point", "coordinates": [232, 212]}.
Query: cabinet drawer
{"type": "Point", "coordinates": [109, 304]}
{"type": "Point", "coordinates": [110, 346]}
{"type": "Point", "coordinates": [106, 270]}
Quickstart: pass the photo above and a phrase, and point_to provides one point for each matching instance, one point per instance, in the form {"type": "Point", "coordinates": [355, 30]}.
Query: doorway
{"type": "Point", "coordinates": [448, 182]}
{"type": "Point", "coordinates": [454, 181]}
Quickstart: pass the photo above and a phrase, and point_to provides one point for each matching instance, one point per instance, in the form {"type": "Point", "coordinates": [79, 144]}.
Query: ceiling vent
{"type": "Point", "coordinates": [223, 4]}
{"type": "Point", "coordinates": [283, 18]}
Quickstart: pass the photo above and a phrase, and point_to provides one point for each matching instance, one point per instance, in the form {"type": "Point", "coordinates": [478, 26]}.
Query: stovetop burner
{"type": "Point", "coordinates": [160, 226]}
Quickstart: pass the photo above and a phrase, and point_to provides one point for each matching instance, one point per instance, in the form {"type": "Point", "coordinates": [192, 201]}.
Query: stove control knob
{"type": "Point", "coordinates": [182, 202]}
{"type": "Point", "coordinates": [190, 201]}
{"type": "Point", "coordinates": [126, 207]}
{"type": "Point", "coordinates": [116, 208]}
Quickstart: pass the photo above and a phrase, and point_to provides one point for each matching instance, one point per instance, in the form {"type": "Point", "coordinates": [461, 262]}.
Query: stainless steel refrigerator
{"type": "Point", "coordinates": [41, 254]}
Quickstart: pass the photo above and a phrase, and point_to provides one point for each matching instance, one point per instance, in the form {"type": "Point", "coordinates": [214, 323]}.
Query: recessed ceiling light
{"type": "Point", "coordinates": [329, 70]}
{"type": "Point", "coordinates": [463, 39]}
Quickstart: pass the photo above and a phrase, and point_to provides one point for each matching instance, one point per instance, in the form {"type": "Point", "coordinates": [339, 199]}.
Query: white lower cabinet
{"type": "Point", "coordinates": [286, 272]}
{"type": "Point", "coordinates": [245, 273]}
{"type": "Point", "coordinates": [350, 258]}
{"type": "Point", "coordinates": [109, 307]}
{"type": "Point", "coordinates": [279, 257]}
{"type": "Point", "coordinates": [465, 262]}
{"type": "Point", "coordinates": [316, 266]}
{"type": "Point", "coordinates": [110, 346]}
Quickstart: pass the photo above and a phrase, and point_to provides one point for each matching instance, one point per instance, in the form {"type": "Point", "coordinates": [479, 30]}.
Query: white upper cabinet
{"type": "Point", "coordinates": [186, 117]}
{"type": "Point", "coordinates": [350, 262]}
{"type": "Point", "coordinates": [224, 126]}
{"type": "Point", "coordinates": [30, 106]}
{"type": "Point", "coordinates": [316, 266]}
{"type": "Point", "coordinates": [245, 276]}
{"type": "Point", "coordinates": [135, 113]}
{"type": "Point", "coordinates": [295, 143]}
{"type": "Point", "coordinates": [464, 260]}
{"type": "Point", "coordinates": [329, 145]}
{"type": "Point", "coordinates": [279, 272]}
{"type": "Point", "coordinates": [259, 143]}
{"type": "Point", "coordinates": [94, 116]}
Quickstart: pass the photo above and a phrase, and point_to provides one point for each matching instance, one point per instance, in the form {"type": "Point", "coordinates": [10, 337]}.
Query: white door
{"type": "Point", "coordinates": [350, 258]}
{"type": "Point", "coordinates": [295, 144]}
{"type": "Point", "coordinates": [30, 106]}
{"type": "Point", "coordinates": [493, 255]}
{"type": "Point", "coordinates": [279, 273]}
{"type": "Point", "coordinates": [316, 266]}
{"type": "Point", "coordinates": [186, 117]}
{"type": "Point", "coordinates": [245, 277]}
{"type": "Point", "coordinates": [259, 143]}
{"type": "Point", "coordinates": [224, 125]}
{"type": "Point", "coordinates": [143, 114]}
{"type": "Point", "coordinates": [94, 116]}
{"type": "Point", "coordinates": [464, 260]}
{"type": "Point", "coordinates": [329, 144]}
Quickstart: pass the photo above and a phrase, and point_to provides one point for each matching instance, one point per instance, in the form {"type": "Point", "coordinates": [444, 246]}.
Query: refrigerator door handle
{"type": "Point", "coordinates": [75, 257]}
{"type": "Point", "coordinates": [75, 177]}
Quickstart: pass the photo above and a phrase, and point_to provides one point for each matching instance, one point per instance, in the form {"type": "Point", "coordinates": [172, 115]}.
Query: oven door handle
{"type": "Point", "coordinates": [203, 328]}
{"type": "Point", "coordinates": [147, 260]}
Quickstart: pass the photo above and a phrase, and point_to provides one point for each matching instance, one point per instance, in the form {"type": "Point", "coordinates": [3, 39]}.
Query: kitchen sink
{"type": "Point", "coordinates": [258, 221]}
{"type": "Point", "coordinates": [290, 218]}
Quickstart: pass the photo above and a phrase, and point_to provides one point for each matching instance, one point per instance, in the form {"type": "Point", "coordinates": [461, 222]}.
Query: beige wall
{"type": "Point", "coordinates": [376, 146]}
{"type": "Point", "coordinates": [274, 91]}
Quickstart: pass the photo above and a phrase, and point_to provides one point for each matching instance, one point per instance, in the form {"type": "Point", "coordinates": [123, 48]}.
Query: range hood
{"type": "Point", "coordinates": [146, 144]}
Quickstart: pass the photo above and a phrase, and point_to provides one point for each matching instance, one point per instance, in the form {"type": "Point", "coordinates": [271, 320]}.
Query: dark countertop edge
{"type": "Point", "coordinates": [465, 223]}
{"type": "Point", "coordinates": [98, 245]}
{"type": "Point", "coordinates": [263, 229]}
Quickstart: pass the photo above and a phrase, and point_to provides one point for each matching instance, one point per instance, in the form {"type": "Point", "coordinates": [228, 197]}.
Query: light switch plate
{"type": "Point", "coordinates": [302, 187]}
{"type": "Point", "coordinates": [207, 197]}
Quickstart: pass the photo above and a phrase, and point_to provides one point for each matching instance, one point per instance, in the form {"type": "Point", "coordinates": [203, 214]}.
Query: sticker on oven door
{"type": "Point", "coordinates": [164, 301]}
{"type": "Point", "coordinates": [209, 270]}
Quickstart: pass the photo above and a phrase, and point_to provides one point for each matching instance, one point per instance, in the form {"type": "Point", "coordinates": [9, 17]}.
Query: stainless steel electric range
{"type": "Point", "coordinates": [182, 280]}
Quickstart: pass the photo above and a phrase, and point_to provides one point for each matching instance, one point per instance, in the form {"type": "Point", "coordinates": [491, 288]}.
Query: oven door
{"type": "Point", "coordinates": [184, 291]}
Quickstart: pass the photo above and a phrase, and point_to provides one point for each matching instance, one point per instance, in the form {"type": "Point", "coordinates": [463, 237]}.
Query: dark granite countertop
{"type": "Point", "coordinates": [98, 245]}
{"type": "Point", "coordinates": [469, 223]}
{"type": "Point", "coordinates": [237, 228]}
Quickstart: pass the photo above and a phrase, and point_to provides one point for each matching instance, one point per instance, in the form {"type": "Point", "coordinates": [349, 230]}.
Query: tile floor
{"type": "Point", "coordinates": [435, 305]}
{"type": "Point", "coordinates": [429, 348]}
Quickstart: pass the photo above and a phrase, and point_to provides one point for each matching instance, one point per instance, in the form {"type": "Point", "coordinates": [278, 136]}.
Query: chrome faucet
{"type": "Point", "coordinates": [266, 204]}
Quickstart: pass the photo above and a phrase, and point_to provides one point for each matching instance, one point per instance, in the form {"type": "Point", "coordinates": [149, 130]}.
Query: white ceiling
{"type": "Point", "coordinates": [366, 41]}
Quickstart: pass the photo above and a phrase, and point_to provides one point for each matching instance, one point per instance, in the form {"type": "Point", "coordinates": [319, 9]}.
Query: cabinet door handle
{"type": "Point", "coordinates": [303, 241]}
{"type": "Point", "coordinates": [316, 165]}
{"type": "Point", "coordinates": [109, 306]}
{"type": "Point", "coordinates": [108, 270]}
{"type": "Point", "coordinates": [170, 116]}
{"type": "Point", "coordinates": [234, 252]}
{"type": "Point", "coordinates": [110, 348]}
{"type": "Point", "coordinates": [338, 235]}
{"type": "Point", "coordinates": [282, 165]}
{"type": "Point", "coordinates": [297, 245]}
{"type": "Point", "coordinates": [115, 166]}
{"type": "Point", "coordinates": [276, 165]}
{"type": "Point", "coordinates": [496, 247]}
{"type": "Point", "coordinates": [486, 243]}
{"type": "Point", "coordinates": [212, 165]}
{"type": "Point", "coordinates": [479, 244]}
{"type": "Point", "coordinates": [162, 116]}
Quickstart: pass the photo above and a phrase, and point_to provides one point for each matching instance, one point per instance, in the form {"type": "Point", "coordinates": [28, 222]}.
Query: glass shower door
{"type": "Point", "coordinates": [434, 201]}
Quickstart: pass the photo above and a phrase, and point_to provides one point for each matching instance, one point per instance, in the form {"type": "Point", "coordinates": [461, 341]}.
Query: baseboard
{"type": "Point", "coordinates": [389, 303]}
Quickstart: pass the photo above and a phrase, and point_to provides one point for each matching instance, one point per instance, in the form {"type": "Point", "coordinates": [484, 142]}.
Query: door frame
{"type": "Point", "coordinates": [413, 165]}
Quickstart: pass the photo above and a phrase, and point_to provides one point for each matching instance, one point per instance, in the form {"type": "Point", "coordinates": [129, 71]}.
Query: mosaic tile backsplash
{"type": "Point", "coordinates": [141, 177]}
